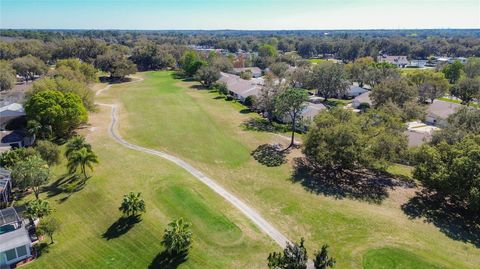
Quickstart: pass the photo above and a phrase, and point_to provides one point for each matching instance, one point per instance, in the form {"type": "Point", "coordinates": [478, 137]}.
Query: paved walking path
{"type": "Point", "coordinates": [253, 215]}
{"type": "Point", "coordinates": [279, 238]}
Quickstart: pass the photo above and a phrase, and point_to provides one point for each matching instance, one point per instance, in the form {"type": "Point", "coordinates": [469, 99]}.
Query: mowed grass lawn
{"type": "Point", "coordinates": [316, 60]}
{"type": "Point", "coordinates": [198, 126]}
{"type": "Point", "coordinates": [223, 238]}
{"type": "Point", "coordinates": [167, 114]}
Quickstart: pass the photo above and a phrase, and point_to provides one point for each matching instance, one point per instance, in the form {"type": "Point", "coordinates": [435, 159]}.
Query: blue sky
{"type": "Point", "coordinates": [239, 14]}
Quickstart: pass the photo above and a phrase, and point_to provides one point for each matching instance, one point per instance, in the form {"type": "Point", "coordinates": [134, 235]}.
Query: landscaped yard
{"type": "Point", "coordinates": [92, 237]}
{"type": "Point", "coordinates": [198, 126]}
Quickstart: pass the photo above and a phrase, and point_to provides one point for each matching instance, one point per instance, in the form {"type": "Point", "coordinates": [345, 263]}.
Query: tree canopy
{"type": "Point", "coordinates": [207, 75]}
{"type": "Point", "coordinates": [453, 71]}
{"type": "Point", "coordinates": [132, 204]}
{"type": "Point", "coordinates": [329, 79]}
{"type": "Point", "coordinates": [397, 91]}
{"type": "Point", "coordinates": [7, 76]}
{"type": "Point", "coordinates": [66, 85]}
{"type": "Point", "coordinates": [74, 68]}
{"type": "Point", "coordinates": [49, 151]}
{"type": "Point", "coordinates": [190, 63]}
{"type": "Point", "coordinates": [452, 170]}
{"type": "Point", "coordinates": [29, 66]}
{"type": "Point", "coordinates": [177, 237]}
{"type": "Point", "coordinates": [430, 85]}
{"type": "Point", "coordinates": [289, 105]}
{"type": "Point", "coordinates": [340, 140]}
{"type": "Point", "coordinates": [116, 64]}
{"type": "Point", "coordinates": [62, 112]}
{"type": "Point", "coordinates": [467, 89]}
{"type": "Point", "coordinates": [294, 256]}
{"type": "Point", "coordinates": [33, 172]}
{"type": "Point", "coordinates": [149, 56]}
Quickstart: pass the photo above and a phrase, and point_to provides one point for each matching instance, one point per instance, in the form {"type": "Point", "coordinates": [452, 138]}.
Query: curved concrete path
{"type": "Point", "coordinates": [249, 212]}
{"type": "Point", "coordinates": [278, 237]}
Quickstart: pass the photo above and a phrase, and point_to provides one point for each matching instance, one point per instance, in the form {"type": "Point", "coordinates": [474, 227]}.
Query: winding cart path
{"type": "Point", "coordinates": [249, 212]}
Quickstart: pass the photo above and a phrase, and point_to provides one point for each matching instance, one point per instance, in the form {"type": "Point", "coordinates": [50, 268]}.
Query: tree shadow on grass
{"type": "Point", "coordinates": [68, 184]}
{"type": "Point", "coordinates": [121, 227]}
{"type": "Point", "coordinates": [165, 260]}
{"type": "Point", "coordinates": [263, 125]}
{"type": "Point", "coordinates": [453, 219]}
{"type": "Point", "coordinates": [359, 185]}
{"type": "Point", "coordinates": [41, 248]}
{"type": "Point", "coordinates": [180, 76]}
{"type": "Point", "coordinates": [107, 79]}
{"type": "Point", "coordinates": [198, 87]}
{"type": "Point", "coordinates": [270, 155]}
{"type": "Point", "coordinates": [246, 111]}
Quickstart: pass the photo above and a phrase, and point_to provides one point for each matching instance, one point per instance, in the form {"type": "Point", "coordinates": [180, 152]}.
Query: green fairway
{"type": "Point", "coordinates": [205, 130]}
{"type": "Point", "coordinates": [88, 238]}
{"type": "Point", "coordinates": [391, 258]}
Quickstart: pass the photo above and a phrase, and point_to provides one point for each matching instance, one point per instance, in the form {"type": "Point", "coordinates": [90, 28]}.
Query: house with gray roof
{"type": "Point", "coordinates": [256, 72]}
{"type": "Point", "coordinates": [15, 240]}
{"type": "Point", "coordinates": [438, 112]}
{"type": "Point", "coordinates": [241, 88]}
{"type": "Point", "coordinates": [312, 110]}
{"type": "Point", "coordinates": [362, 98]}
{"type": "Point", "coordinates": [5, 187]}
{"type": "Point", "coordinates": [398, 60]}
{"type": "Point", "coordinates": [10, 112]}
{"type": "Point", "coordinates": [354, 90]}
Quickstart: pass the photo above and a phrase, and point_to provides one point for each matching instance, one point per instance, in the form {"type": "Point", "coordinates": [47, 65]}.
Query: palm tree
{"type": "Point", "coordinates": [82, 158]}
{"type": "Point", "coordinates": [76, 143]}
{"type": "Point", "coordinates": [132, 204]}
{"type": "Point", "coordinates": [322, 260]}
{"type": "Point", "coordinates": [177, 237]}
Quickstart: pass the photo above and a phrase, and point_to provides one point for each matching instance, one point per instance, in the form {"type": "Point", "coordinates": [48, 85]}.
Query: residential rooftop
{"type": "Point", "coordinates": [442, 109]}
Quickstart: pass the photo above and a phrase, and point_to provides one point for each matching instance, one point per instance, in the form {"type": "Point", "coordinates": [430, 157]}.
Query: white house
{"type": "Point", "coordinates": [15, 241]}
{"type": "Point", "coordinates": [438, 111]}
{"type": "Point", "coordinates": [398, 60]}
{"type": "Point", "coordinates": [354, 91]}
{"type": "Point", "coordinates": [417, 63]}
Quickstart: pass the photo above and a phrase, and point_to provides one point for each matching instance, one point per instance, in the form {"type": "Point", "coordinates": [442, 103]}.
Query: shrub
{"type": "Point", "coordinates": [8, 159]}
{"type": "Point", "coordinates": [249, 101]}
{"type": "Point", "coordinates": [38, 209]}
{"type": "Point", "coordinates": [364, 106]}
{"type": "Point", "coordinates": [221, 88]}
{"type": "Point", "coordinates": [48, 151]}
{"type": "Point", "coordinates": [229, 97]}
{"type": "Point", "coordinates": [269, 155]}
{"type": "Point", "coordinates": [247, 75]}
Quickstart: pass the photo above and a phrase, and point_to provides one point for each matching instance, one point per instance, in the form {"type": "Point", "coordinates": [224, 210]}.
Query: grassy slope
{"type": "Point", "coordinates": [391, 258]}
{"type": "Point", "coordinates": [165, 114]}
{"type": "Point", "coordinates": [223, 238]}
